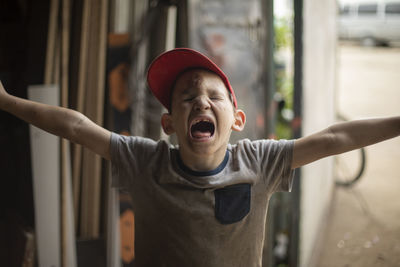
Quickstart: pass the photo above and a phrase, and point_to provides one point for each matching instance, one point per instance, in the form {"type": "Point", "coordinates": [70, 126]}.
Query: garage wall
{"type": "Point", "coordinates": [319, 81]}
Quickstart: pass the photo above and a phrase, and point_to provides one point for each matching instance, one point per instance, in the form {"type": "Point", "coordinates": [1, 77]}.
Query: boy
{"type": "Point", "coordinates": [204, 202]}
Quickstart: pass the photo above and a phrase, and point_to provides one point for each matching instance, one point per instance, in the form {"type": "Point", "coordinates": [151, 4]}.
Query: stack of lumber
{"type": "Point", "coordinates": [90, 101]}
{"type": "Point", "coordinates": [76, 66]}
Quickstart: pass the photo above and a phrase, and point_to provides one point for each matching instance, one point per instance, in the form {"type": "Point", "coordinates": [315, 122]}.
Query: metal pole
{"type": "Point", "coordinates": [298, 92]}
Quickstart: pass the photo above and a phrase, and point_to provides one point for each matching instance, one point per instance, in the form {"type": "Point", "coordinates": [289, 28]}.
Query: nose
{"type": "Point", "coordinates": [201, 103]}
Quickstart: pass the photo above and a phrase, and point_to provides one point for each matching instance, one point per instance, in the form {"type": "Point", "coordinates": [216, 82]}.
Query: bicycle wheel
{"type": "Point", "coordinates": [349, 167]}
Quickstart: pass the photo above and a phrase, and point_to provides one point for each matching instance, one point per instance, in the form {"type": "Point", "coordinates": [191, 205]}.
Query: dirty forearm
{"type": "Point", "coordinates": [53, 119]}
{"type": "Point", "coordinates": [63, 122]}
{"type": "Point", "coordinates": [359, 133]}
{"type": "Point", "coordinates": [343, 137]}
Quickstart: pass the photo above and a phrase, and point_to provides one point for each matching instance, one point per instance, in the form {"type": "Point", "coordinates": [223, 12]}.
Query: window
{"type": "Point", "coordinates": [392, 8]}
{"type": "Point", "coordinates": [369, 9]}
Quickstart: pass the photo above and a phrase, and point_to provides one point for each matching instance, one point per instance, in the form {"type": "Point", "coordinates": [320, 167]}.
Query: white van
{"type": "Point", "coordinates": [372, 22]}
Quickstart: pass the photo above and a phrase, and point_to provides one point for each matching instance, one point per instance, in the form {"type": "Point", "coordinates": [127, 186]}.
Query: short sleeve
{"type": "Point", "coordinates": [276, 164]}
{"type": "Point", "coordinates": [127, 156]}
{"type": "Point", "coordinates": [272, 159]}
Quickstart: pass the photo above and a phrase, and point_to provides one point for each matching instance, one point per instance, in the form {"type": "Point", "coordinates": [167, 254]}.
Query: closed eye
{"type": "Point", "coordinates": [216, 98]}
{"type": "Point", "coordinates": [188, 99]}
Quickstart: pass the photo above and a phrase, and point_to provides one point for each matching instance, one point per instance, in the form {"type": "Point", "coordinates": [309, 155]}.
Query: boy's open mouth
{"type": "Point", "coordinates": [202, 129]}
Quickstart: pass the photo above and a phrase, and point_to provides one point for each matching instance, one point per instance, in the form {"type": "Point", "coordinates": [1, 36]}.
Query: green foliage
{"type": "Point", "coordinates": [283, 33]}
{"type": "Point", "coordinates": [283, 81]}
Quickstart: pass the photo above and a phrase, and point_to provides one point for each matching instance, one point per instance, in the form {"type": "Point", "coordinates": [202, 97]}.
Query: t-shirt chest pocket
{"type": "Point", "coordinates": [232, 203]}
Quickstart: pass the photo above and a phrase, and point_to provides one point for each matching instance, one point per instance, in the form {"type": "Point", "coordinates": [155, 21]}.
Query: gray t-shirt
{"type": "Point", "coordinates": [187, 218]}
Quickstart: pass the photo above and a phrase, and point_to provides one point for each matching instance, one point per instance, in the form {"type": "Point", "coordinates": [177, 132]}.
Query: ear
{"type": "Point", "coordinates": [240, 120]}
{"type": "Point", "coordinates": [166, 123]}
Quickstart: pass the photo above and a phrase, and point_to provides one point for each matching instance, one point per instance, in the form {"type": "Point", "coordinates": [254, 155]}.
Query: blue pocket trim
{"type": "Point", "coordinates": [232, 203]}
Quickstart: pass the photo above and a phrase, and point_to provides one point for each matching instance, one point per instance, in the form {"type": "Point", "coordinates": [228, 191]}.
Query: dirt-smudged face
{"type": "Point", "coordinates": [202, 116]}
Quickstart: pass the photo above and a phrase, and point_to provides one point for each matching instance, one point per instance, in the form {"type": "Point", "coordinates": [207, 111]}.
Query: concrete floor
{"type": "Point", "coordinates": [364, 225]}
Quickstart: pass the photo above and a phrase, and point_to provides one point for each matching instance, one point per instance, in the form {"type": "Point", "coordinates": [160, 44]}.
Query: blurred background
{"type": "Point", "coordinates": [297, 66]}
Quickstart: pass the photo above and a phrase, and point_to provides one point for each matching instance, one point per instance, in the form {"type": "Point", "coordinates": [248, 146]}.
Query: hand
{"type": "Point", "coordinates": [3, 94]}
{"type": "Point", "coordinates": [2, 90]}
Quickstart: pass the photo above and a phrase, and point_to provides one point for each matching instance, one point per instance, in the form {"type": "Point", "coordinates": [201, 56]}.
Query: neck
{"type": "Point", "coordinates": [202, 162]}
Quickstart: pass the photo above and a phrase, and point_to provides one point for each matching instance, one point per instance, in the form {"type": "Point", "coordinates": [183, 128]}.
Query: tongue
{"type": "Point", "coordinates": [200, 134]}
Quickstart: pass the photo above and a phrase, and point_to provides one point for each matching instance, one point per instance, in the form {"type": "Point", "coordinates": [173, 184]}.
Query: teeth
{"type": "Point", "coordinates": [200, 120]}
{"type": "Point", "coordinates": [203, 120]}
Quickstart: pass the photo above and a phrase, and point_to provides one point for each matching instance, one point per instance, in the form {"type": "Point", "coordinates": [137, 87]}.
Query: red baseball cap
{"type": "Point", "coordinates": [166, 68]}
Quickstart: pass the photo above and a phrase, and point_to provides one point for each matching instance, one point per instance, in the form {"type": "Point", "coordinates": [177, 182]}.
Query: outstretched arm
{"type": "Point", "coordinates": [59, 121]}
{"type": "Point", "coordinates": [343, 137]}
